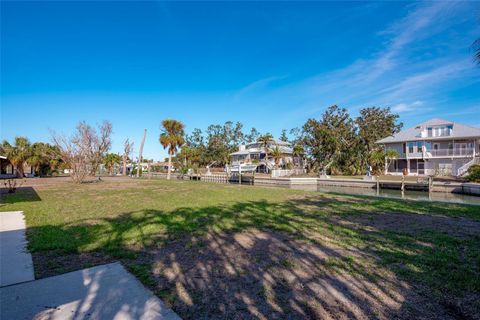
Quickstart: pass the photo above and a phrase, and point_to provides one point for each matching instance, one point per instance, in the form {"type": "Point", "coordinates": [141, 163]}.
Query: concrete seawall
{"type": "Point", "coordinates": [457, 187]}
{"type": "Point", "coordinates": [313, 183]}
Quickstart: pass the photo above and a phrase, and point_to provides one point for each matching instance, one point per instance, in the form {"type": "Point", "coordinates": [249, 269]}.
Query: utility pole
{"type": "Point", "coordinates": [140, 153]}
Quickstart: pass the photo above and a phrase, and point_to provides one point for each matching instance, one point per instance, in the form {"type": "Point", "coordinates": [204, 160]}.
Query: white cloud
{"type": "Point", "coordinates": [407, 73]}
{"type": "Point", "coordinates": [407, 107]}
{"type": "Point", "coordinates": [256, 85]}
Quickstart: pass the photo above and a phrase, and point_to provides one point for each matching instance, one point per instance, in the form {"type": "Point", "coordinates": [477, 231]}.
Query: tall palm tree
{"type": "Point", "coordinates": [298, 152]}
{"type": "Point", "coordinates": [172, 137]}
{"type": "Point", "coordinates": [18, 153]}
{"type": "Point", "coordinates": [265, 140]}
{"type": "Point", "coordinates": [276, 154]}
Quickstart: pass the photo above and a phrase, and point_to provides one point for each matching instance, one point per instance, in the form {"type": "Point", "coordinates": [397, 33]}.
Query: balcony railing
{"type": "Point", "coordinates": [450, 152]}
{"type": "Point", "coordinates": [457, 152]}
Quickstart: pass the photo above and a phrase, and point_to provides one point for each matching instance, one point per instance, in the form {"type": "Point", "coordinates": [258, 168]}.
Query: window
{"type": "Point", "coordinates": [419, 146]}
{"type": "Point", "coordinates": [410, 147]}
{"type": "Point", "coordinates": [429, 130]}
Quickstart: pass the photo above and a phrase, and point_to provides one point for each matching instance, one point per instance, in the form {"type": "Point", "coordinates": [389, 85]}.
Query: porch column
{"type": "Point", "coordinates": [386, 168]}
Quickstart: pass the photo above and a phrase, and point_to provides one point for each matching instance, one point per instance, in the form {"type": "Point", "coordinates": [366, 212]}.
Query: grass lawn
{"type": "Point", "coordinates": [243, 252]}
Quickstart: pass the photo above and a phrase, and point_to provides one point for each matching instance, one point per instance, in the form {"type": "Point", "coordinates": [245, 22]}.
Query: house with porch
{"type": "Point", "coordinates": [434, 147]}
{"type": "Point", "coordinates": [253, 157]}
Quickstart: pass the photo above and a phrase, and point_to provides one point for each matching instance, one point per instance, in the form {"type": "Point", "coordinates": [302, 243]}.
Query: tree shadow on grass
{"type": "Point", "coordinates": [22, 194]}
{"type": "Point", "coordinates": [262, 260]}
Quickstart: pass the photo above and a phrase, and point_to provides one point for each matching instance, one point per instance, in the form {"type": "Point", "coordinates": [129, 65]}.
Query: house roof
{"type": "Point", "coordinates": [415, 133]}
{"type": "Point", "coordinates": [239, 153]}
{"type": "Point", "coordinates": [283, 149]}
{"type": "Point", "coordinates": [280, 142]}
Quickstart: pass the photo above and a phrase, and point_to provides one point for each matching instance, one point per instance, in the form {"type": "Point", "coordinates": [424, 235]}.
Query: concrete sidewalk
{"type": "Point", "coordinates": [15, 261]}
{"type": "Point", "coordinates": [102, 292]}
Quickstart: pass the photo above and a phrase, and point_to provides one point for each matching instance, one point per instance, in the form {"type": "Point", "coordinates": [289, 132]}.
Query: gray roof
{"type": "Point", "coordinates": [280, 142]}
{"type": "Point", "coordinates": [239, 153]}
{"type": "Point", "coordinates": [283, 149]}
{"type": "Point", "coordinates": [414, 133]}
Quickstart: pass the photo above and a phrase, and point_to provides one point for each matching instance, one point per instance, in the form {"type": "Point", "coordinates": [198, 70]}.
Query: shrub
{"type": "Point", "coordinates": [474, 173]}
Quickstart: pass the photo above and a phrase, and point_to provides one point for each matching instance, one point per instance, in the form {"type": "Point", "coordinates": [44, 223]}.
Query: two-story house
{"type": "Point", "coordinates": [435, 147]}
{"type": "Point", "coordinates": [253, 156]}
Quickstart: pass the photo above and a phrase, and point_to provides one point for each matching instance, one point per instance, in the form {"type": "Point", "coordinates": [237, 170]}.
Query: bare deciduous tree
{"type": "Point", "coordinates": [127, 149]}
{"type": "Point", "coordinates": [83, 152]}
{"type": "Point", "coordinates": [99, 144]}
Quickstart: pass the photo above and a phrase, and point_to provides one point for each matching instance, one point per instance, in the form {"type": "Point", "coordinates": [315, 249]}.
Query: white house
{"type": "Point", "coordinates": [253, 157]}
{"type": "Point", "coordinates": [434, 147]}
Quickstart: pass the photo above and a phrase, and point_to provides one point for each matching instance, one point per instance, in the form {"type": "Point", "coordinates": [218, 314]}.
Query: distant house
{"type": "Point", "coordinates": [6, 168]}
{"type": "Point", "coordinates": [253, 157]}
{"type": "Point", "coordinates": [434, 147]}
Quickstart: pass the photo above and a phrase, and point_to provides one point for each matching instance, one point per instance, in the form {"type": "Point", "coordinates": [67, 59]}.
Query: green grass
{"type": "Point", "coordinates": [127, 219]}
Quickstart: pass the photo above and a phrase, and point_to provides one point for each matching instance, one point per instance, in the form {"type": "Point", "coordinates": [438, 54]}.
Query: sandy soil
{"type": "Point", "coordinates": [266, 275]}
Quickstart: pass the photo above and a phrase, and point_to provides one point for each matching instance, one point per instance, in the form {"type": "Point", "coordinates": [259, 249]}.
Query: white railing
{"type": "Point", "coordinates": [286, 172]}
{"type": "Point", "coordinates": [457, 152]}
{"type": "Point", "coordinates": [241, 168]}
{"type": "Point", "coordinates": [450, 152]}
{"type": "Point", "coordinates": [269, 164]}
{"type": "Point", "coordinates": [414, 155]}
{"type": "Point", "coordinates": [463, 169]}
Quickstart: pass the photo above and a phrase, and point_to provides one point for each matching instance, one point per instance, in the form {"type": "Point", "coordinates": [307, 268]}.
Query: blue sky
{"type": "Point", "coordinates": [270, 65]}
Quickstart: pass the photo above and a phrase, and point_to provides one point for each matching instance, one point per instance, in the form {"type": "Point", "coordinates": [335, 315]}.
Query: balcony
{"type": "Point", "coordinates": [439, 153]}
{"type": "Point", "coordinates": [458, 152]}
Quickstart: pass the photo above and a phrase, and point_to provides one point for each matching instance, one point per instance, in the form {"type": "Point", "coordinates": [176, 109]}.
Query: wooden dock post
{"type": "Point", "coordinates": [403, 184]}
{"type": "Point", "coordinates": [378, 186]}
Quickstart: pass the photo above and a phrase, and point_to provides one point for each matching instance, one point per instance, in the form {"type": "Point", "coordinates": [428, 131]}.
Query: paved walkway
{"type": "Point", "coordinates": [102, 292]}
{"type": "Point", "coordinates": [15, 261]}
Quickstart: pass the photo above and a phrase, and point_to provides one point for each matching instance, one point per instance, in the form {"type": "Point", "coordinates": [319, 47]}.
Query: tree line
{"type": "Point", "coordinates": [45, 158]}
{"type": "Point", "coordinates": [334, 143]}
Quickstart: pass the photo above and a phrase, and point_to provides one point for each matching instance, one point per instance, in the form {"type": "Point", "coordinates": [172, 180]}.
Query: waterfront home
{"type": "Point", "coordinates": [434, 147]}
{"type": "Point", "coordinates": [253, 157]}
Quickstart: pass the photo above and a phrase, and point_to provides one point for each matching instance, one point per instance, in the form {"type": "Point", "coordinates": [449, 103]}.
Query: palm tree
{"type": "Point", "coordinates": [172, 138]}
{"type": "Point", "coordinates": [38, 155]}
{"type": "Point", "coordinates": [110, 160]}
{"type": "Point", "coordinates": [43, 157]}
{"type": "Point", "coordinates": [298, 152]}
{"type": "Point", "coordinates": [276, 154]}
{"type": "Point", "coordinates": [382, 158]}
{"type": "Point", "coordinates": [18, 153]}
{"type": "Point", "coordinates": [265, 140]}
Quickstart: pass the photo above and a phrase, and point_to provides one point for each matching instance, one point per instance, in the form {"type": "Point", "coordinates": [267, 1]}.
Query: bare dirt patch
{"type": "Point", "coordinates": [266, 275]}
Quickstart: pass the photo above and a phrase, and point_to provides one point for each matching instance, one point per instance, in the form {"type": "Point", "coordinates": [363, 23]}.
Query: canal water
{"type": "Point", "coordinates": [395, 194]}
